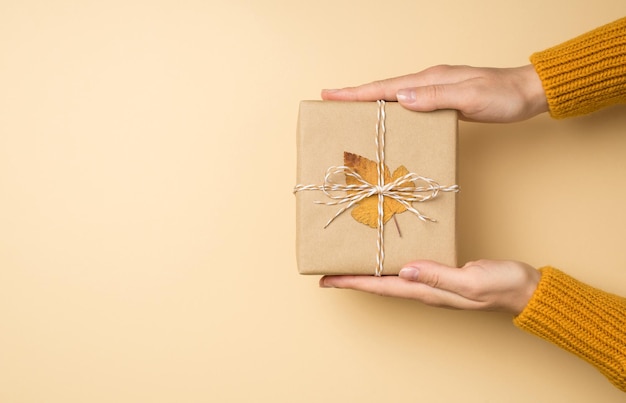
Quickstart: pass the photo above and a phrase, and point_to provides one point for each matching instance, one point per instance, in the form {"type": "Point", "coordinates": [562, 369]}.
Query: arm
{"type": "Point", "coordinates": [580, 319]}
{"type": "Point", "coordinates": [586, 73]}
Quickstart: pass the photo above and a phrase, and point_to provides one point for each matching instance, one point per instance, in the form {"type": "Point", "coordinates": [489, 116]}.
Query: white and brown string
{"type": "Point", "coordinates": [352, 194]}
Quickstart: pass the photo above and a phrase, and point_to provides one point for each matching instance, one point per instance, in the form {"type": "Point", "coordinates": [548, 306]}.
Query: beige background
{"type": "Point", "coordinates": [147, 156]}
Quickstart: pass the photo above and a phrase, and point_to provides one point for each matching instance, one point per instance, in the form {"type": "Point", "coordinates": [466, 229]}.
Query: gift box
{"type": "Point", "coordinates": [376, 187]}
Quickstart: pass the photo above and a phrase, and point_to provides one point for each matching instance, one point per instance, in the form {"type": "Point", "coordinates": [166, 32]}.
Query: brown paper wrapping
{"type": "Point", "coordinates": [425, 143]}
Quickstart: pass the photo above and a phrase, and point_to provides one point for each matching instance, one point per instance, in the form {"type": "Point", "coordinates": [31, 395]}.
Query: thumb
{"type": "Point", "coordinates": [430, 98]}
{"type": "Point", "coordinates": [433, 274]}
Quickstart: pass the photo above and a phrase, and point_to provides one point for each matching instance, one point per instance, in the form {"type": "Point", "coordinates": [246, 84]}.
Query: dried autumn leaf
{"type": "Point", "coordinates": [366, 211]}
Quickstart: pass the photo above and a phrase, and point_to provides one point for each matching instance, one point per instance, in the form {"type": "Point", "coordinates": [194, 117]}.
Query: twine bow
{"type": "Point", "coordinates": [349, 195]}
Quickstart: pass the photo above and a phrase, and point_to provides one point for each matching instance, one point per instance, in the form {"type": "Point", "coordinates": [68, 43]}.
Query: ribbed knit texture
{"type": "Point", "coordinates": [586, 73]}
{"type": "Point", "coordinates": [581, 319]}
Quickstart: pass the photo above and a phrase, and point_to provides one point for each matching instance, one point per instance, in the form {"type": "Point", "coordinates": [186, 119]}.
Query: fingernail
{"type": "Point", "coordinates": [406, 95]}
{"type": "Point", "coordinates": [331, 90]}
{"type": "Point", "coordinates": [323, 283]}
{"type": "Point", "coordinates": [409, 273]}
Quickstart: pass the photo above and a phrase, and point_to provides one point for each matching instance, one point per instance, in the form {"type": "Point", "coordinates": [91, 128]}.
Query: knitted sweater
{"type": "Point", "coordinates": [581, 76]}
{"type": "Point", "coordinates": [586, 73]}
{"type": "Point", "coordinates": [581, 319]}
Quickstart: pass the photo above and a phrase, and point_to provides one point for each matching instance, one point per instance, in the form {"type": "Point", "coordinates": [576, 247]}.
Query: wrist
{"type": "Point", "coordinates": [533, 91]}
{"type": "Point", "coordinates": [531, 278]}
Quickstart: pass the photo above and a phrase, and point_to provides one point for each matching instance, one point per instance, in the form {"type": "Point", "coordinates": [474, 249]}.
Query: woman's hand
{"type": "Point", "coordinates": [484, 285]}
{"type": "Point", "coordinates": [497, 95]}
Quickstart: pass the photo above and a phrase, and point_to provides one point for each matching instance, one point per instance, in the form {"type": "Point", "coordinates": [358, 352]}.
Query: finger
{"type": "Point", "coordinates": [393, 286]}
{"type": "Point", "coordinates": [437, 275]}
{"type": "Point", "coordinates": [388, 88]}
{"type": "Point", "coordinates": [385, 285]}
{"type": "Point", "coordinates": [381, 89]}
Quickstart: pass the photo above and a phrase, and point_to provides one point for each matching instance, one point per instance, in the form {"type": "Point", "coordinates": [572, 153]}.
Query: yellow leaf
{"type": "Point", "coordinates": [366, 211]}
{"type": "Point", "coordinates": [364, 167]}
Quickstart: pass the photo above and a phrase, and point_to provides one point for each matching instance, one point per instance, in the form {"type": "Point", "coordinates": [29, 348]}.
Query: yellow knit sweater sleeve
{"type": "Point", "coordinates": [581, 319]}
{"type": "Point", "coordinates": [586, 73]}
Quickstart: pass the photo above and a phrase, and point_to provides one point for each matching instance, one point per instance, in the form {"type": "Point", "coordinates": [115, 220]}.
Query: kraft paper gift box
{"type": "Point", "coordinates": [340, 134]}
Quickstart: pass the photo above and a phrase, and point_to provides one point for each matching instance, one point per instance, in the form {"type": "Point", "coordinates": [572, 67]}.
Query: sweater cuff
{"type": "Point", "coordinates": [586, 73]}
{"type": "Point", "coordinates": [580, 319]}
